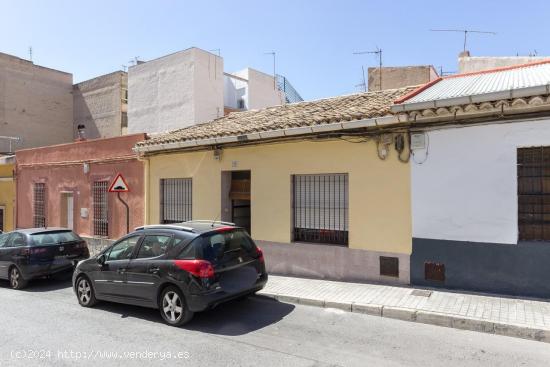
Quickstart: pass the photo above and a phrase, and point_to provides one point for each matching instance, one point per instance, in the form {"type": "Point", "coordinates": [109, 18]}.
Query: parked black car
{"type": "Point", "coordinates": [27, 254]}
{"type": "Point", "coordinates": [179, 269]}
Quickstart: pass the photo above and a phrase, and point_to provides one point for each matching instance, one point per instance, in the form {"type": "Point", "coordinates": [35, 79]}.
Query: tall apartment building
{"type": "Point", "coordinates": [190, 87]}
{"type": "Point", "coordinates": [101, 105]}
{"type": "Point", "coordinates": [36, 105]}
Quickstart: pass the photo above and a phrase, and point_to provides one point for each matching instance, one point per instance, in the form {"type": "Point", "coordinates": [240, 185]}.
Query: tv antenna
{"type": "Point", "coordinates": [465, 31]}
{"type": "Point", "coordinates": [363, 84]}
{"type": "Point", "coordinates": [377, 52]}
{"type": "Point", "coordinates": [134, 60]}
{"type": "Point", "coordinates": [272, 53]}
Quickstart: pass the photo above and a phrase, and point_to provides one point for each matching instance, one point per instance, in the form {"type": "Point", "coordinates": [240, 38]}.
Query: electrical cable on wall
{"type": "Point", "coordinates": [400, 146]}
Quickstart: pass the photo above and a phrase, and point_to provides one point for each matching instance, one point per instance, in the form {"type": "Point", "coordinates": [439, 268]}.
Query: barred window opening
{"type": "Point", "coordinates": [39, 205]}
{"type": "Point", "coordinates": [100, 207]}
{"type": "Point", "coordinates": [320, 208]}
{"type": "Point", "coordinates": [533, 168]}
{"type": "Point", "coordinates": [176, 200]}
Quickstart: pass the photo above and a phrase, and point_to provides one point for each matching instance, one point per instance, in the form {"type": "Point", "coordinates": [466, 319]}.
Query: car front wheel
{"type": "Point", "coordinates": [173, 307]}
{"type": "Point", "coordinates": [16, 279]}
{"type": "Point", "coordinates": [85, 292]}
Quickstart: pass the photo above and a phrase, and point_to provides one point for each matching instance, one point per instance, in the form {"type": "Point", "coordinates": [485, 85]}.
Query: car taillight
{"type": "Point", "coordinates": [199, 268]}
{"type": "Point", "coordinates": [260, 254]}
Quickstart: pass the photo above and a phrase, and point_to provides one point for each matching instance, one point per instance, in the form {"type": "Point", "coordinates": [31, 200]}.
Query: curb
{"type": "Point", "coordinates": [424, 317]}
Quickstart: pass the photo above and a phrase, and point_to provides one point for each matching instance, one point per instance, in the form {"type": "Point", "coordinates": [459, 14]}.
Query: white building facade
{"type": "Point", "coordinates": [189, 87]}
{"type": "Point", "coordinates": [480, 181]}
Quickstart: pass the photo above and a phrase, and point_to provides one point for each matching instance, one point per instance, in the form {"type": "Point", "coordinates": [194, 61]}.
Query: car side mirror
{"type": "Point", "coordinates": [101, 259]}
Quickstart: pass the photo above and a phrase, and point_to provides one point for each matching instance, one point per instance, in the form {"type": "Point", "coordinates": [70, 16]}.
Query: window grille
{"type": "Point", "coordinates": [533, 166]}
{"type": "Point", "coordinates": [39, 205]}
{"type": "Point", "coordinates": [100, 206]}
{"type": "Point", "coordinates": [176, 200]}
{"type": "Point", "coordinates": [320, 208]}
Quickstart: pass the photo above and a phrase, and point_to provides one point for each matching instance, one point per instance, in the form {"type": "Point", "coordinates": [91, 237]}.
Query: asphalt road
{"type": "Point", "coordinates": [44, 326]}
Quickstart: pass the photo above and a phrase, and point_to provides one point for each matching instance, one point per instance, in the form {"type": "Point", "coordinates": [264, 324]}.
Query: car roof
{"type": "Point", "coordinates": [195, 226]}
{"type": "Point", "coordinates": [41, 230]}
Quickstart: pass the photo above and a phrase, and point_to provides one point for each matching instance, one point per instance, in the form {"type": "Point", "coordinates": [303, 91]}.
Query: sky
{"type": "Point", "coordinates": [314, 40]}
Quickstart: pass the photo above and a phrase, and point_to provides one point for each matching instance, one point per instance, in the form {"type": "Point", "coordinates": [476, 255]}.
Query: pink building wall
{"type": "Point", "coordinates": [61, 168]}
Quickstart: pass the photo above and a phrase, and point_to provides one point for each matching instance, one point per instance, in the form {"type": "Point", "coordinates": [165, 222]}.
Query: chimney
{"type": "Point", "coordinates": [81, 132]}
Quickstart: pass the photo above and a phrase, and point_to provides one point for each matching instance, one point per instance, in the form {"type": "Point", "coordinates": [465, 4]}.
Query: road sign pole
{"type": "Point", "coordinates": [127, 213]}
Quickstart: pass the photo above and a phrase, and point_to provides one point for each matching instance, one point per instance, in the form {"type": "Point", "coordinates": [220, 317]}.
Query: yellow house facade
{"type": "Point", "coordinates": [7, 193]}
{"type": "Point", "coordinates": [320, 204]}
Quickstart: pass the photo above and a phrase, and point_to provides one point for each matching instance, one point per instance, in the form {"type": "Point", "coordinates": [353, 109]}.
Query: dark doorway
{"type": "Point", "coordinates": [239, 194]}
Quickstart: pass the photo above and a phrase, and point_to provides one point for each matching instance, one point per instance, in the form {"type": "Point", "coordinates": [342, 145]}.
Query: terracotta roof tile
{"type": "Point", "coordinates": [324, 111]}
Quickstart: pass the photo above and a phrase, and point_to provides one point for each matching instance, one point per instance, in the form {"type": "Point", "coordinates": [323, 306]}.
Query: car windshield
{"type": "Point", "coordinates": [226, 245]}
{"type": "Point", "coordinates": [53, 238]}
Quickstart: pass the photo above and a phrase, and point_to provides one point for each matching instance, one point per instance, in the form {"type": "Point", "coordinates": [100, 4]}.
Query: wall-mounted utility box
{"type": "Point", "coordinates": [418, 141]}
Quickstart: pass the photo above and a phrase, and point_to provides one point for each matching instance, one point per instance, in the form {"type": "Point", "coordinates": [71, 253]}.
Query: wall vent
{"type": "Point", "coordinates": [434, 271]}
{"type": "Point", "coordinates": [389, 266]}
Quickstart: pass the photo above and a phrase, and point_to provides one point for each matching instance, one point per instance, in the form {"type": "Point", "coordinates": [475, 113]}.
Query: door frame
{"type": "Point", "coordinates": [3, 221]}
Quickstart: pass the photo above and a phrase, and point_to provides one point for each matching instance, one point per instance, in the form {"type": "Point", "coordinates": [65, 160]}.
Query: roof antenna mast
{"type": "Point", "coordinates": [377, 52]}
{"type": "Point", "coordinates": [465, 31]}
{"type": "Point", "coordinates": [274, 75]}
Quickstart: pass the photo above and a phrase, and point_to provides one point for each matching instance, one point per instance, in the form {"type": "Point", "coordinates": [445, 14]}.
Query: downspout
{"type": "Point", "coordinates": [147, 177]}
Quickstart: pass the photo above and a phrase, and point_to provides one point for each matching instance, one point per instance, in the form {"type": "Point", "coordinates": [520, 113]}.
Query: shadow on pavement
{"type": "Point", "coordinates": [53, 283]}
{"type": "Point", "coordinates": [240, 317]}
{"type": "Point", "coordinates": [231, 319]}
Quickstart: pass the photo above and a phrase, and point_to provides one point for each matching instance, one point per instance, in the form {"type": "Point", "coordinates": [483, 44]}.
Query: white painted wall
{"type": "Point", "coordinates": [257, 92]}
{"type": "Point", "coordinates": [175, 91]}
{"type": "Point", "coordinates": [466, 190]}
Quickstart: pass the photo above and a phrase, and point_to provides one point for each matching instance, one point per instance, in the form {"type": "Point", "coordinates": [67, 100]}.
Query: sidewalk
{"type": "Point", "coordinates": [522, 318]}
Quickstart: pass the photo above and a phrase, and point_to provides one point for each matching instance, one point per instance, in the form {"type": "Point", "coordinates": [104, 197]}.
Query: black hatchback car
{"type": "Point", "coordinates": [27, 254]}
{"type": "Point", "coordinates": [179, 269]}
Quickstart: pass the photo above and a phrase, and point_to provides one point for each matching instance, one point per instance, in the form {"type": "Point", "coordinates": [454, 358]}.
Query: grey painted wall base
{"type": "Point", "coordinates": [330, 262]}
{"type": "Point", "coordinates": [521, 270]}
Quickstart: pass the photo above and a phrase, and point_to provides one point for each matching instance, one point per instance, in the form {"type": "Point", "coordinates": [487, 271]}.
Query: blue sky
{"type": "Point", "coordinates": [314, 40]}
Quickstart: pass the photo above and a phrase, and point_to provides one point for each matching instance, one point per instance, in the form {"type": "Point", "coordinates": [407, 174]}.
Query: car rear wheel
{"type": "Point", "coordinates": [173, 307]}
{"type": "Point", "coordinates": [85, 292]}
{"type": "Point", "coordinates": [16, 279]}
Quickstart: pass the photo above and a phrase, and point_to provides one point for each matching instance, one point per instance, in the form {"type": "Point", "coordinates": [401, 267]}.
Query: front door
{"type": "Point", "coordinates": [110, 278]}
{"type": "Point", "coordinates": [67, 210]}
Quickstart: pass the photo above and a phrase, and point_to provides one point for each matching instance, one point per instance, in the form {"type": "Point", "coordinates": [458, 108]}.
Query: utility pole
{"type": "Point", "coordinates": [377, 52]}
{"type": "Point", "coordinates": [465, 31]}
{"type": "Point", "coordinates": [274, 74]}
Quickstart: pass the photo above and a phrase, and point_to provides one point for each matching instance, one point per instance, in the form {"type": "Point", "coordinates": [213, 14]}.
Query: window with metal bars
{"type": "Point", "coordinates": [100, 205]}
{"type": "Point", "coordinates": [176, 200]}
{"type": "Point", "coordinates": [39, 205]}
{"type": "Point", "coordinates": [320, 208]}
{"type": "Point", "coordinates": [533, 167]}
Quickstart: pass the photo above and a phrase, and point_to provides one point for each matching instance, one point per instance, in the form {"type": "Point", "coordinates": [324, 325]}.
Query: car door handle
{"type": "Point", "coordinates": [154, 270]}
{"type": "Point", "coordinates": [121, 271]}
